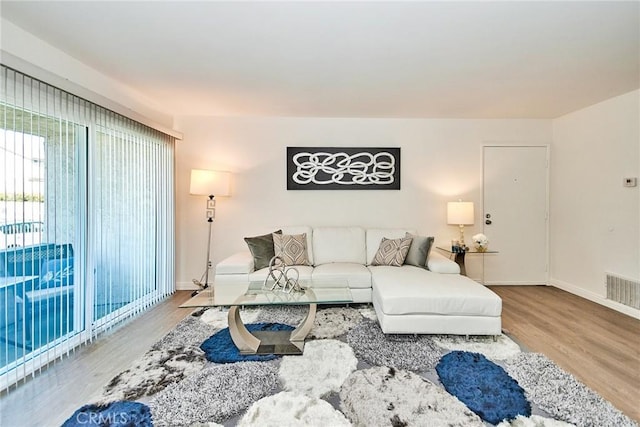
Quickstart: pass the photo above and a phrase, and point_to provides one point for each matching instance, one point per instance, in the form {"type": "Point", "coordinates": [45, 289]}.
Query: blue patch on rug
{"type": "Point", "coordinates": [219, 348]}
{"type": "Point", "coordinates": [483, 386]}
{"type": "Point", "coordinates": [116, 414]}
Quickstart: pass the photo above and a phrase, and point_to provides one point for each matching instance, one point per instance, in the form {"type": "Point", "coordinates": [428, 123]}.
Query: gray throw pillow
{"type": "Point", "coordinates": [261, 248]}
{"type": "Point", "coordinates": [419, 250]}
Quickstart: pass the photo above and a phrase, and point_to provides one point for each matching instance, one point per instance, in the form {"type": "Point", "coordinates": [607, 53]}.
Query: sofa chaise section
{"type": "Point", "coordinates": [409, 299]}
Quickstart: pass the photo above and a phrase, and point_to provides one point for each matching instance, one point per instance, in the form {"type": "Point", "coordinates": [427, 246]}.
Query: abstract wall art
{"type": "Point", "coordinates": [343, 168]}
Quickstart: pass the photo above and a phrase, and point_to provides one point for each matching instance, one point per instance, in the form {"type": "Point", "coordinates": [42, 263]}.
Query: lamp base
{"type": "Point", "coordinates": [462, 236]}
{"type": "Point", "coordinates": [205, 276]}
{"type": "Point", "coordinates": [201, 285]}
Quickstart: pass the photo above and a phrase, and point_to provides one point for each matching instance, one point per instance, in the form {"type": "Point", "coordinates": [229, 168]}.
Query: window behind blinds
{"type": "Point", "coordinates": [86, 222]}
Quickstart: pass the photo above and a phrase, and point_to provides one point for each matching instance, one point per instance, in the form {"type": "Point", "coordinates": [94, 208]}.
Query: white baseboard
{"type": "Point", "coordinates": [515, 284]}
{"type": "Point", "coordinates": [186, 286]}
{"type": "Point", "coordinates": [507, 283]}
{"type": "Point", "coordinates": [592, 296]}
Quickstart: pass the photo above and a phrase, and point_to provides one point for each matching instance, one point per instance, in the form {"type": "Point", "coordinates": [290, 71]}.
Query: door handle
{"type": "Point", "coordinates": [488, 222]}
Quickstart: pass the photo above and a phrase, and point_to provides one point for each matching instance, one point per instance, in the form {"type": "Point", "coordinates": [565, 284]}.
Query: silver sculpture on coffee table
{"type": "Point", "coordinates": [283, 277]}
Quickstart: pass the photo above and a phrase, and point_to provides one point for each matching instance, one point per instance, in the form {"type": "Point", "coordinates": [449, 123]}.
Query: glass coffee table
{"type": "Point", "coordinates": [236, 295]}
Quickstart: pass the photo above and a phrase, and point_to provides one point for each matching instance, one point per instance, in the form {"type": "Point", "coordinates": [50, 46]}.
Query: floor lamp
{"type": "Point", "coordinates": [212, 184]}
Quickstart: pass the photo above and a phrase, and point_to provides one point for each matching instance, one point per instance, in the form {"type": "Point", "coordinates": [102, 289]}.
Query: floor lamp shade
{"type": "Point", "coordinates": [210, 183]}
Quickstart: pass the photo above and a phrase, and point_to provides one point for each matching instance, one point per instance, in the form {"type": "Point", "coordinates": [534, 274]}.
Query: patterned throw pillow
{"type": "Point", "coordinates": [292, 248]}
{"type": "Point", "coordinates": [392, 251]}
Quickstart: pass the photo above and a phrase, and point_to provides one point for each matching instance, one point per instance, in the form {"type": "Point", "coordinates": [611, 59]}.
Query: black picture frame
{"type": "Point", "coordinates": [343, 168]}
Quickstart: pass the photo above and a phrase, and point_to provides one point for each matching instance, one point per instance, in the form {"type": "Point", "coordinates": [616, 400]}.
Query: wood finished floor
{"type": "Point", "coordinates": [53, 395]}
{"type": "Point", "coordinates": [597, 345]}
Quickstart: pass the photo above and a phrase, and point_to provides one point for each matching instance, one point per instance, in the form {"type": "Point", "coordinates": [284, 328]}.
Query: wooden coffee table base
{"type": "Point", "coordinates": [269, 342]}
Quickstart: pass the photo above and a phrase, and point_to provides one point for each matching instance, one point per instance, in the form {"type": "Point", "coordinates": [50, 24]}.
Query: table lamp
{"type": "Point", "coordinates": [460, 213]}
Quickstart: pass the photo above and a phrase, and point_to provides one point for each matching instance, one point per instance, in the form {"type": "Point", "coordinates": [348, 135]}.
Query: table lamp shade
{"type": "Point", "coordinates": [460, 213]}
{"type": "Point", "coordinates": [209, 183]}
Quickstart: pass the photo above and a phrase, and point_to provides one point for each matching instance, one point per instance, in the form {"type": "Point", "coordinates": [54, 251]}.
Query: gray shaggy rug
{"type": "Point", "coordinates": [399, 351]}
{"type": "Point", "coordinates": [155, 370]}
{"type": "Point", "coordinates": [561, 394]}
{"type": "Point", "coordinates": [216, 393]}
{"type": "Point", "coordinates": [334, 321]}
{"type": "Point", "coordinates": [322, 368]}
{"type": "Point", "coordinates": [190, 332]}
{"type": "Point", "coordinates": [534, 421]}
{"type": "Point", "coordinates": [293, 410]}
{"type": "Point", "coordinates": [217, 316]}
{"type": "Point", "coordinates": [287, 314]}
{"type": "Point", "coordinates": [358, 376]}
{"type": "Point", "coordinates": [387, 396]}
{"type": "Point", "coordinates": [500, 349]}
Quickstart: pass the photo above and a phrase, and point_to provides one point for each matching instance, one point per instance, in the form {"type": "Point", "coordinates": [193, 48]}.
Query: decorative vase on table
{"type": "Point", "coordinates": [481, 242]}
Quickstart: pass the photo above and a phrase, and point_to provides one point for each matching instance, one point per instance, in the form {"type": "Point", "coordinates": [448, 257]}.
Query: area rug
{"type": "Point", "coordinates": [349, 374]}
{"type": "Point", "coordinates": [463, 374]}
{"type": "Point", "coordinates": [389, 396]}
{"type": "Point", "coordinates": [219, 348]}
{"type": "Point", "coordinates": [114, 414]}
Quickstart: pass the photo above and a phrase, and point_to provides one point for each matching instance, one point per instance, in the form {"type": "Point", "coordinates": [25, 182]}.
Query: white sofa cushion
{"type": "Point", "coordinates": [299, 229]}
{"type": "Point", "coordinates": [238, 263]}
{"type": "Point", "coordinates": [412, 290]}
{"type": "Point", "coordinates": [339, 244]}
{"type": "Point", "coordinates": [375, 235]}
{"type": "Point", "coordinates": [437, 324]}
{"type": "Point", "coordinates": [259, 275]}
{"type": "Point", "coordinates": [438, 263]}
{"type": "Point", "coordinates": [357, 275]}
{"type": "Point", "coordinates": [361, 295]}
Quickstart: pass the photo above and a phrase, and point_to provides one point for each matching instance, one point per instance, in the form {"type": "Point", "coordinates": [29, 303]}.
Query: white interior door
{"type": "Point", "coordinates": [515, 216]}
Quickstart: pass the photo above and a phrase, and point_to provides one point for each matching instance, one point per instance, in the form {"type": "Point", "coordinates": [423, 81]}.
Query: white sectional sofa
{"type": "Point", "coordinates": [407, 299]}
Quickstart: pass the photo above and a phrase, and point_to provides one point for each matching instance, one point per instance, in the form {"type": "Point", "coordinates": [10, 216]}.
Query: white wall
{"type": "Point", "coordinates": [595, 221]}
{"type": "Point", "coordinates": [441, 160]}
{"type": "Point", "coordinates": [35, 57]}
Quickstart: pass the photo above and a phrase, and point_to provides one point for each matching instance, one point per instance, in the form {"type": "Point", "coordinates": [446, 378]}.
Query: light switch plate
{"type": "Point", "coordinates": [630, 182]}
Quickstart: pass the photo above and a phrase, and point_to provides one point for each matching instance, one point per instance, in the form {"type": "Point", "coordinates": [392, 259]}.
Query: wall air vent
{"type": "Point", "coordinates": [623, 290]}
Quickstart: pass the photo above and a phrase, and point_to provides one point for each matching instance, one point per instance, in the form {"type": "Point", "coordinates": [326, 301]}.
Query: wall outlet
{"type": "Point", "coordinates": [630, 182]}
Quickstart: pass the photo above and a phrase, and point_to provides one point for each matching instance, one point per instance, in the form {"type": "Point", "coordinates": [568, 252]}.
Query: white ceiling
{"type": "Point", "coordinates": [352, 59]}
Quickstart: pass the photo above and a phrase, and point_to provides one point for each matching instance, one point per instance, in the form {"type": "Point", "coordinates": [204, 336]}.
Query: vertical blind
{"type": "Point", "coordinates": [86, 222]}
